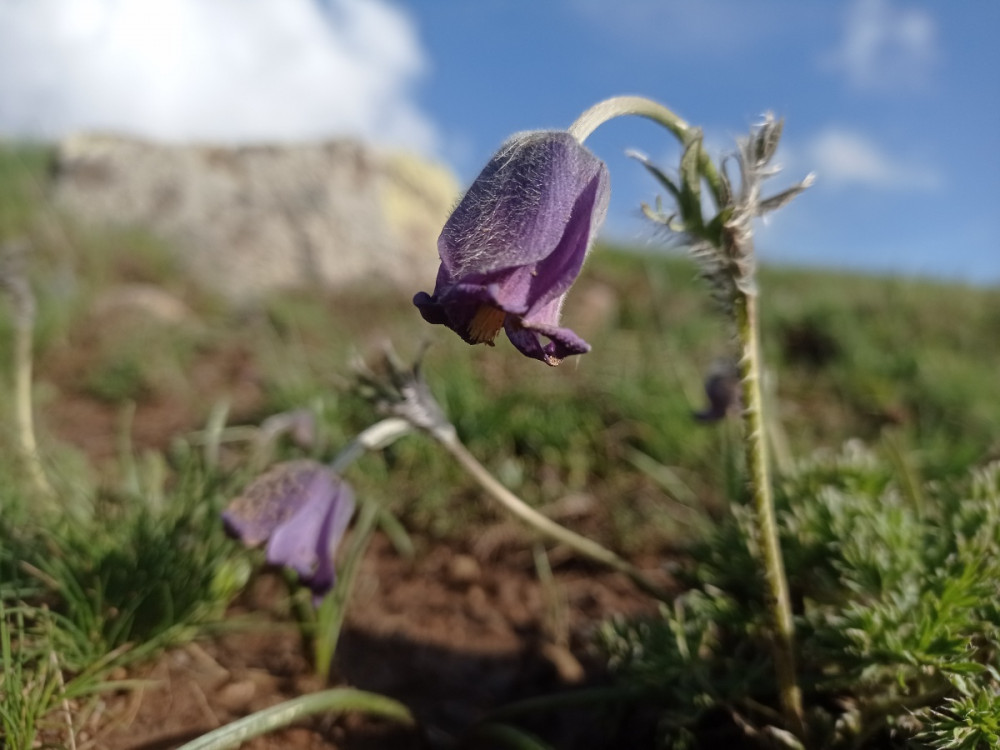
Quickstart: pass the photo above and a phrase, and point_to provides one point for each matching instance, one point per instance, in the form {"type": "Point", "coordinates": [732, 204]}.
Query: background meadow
{"type": "Point", "coordinates": [147, 426]}
{"type": "Point", "coordinates": [130, 621]}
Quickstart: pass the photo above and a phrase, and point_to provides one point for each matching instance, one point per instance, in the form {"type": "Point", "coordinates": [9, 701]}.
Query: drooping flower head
{"type": "Point", "coordinates": [516, 242]}
{"type": "Point", "coordinates": [722, 387]}
{"type": "Point", "coordinates": [301, 509]}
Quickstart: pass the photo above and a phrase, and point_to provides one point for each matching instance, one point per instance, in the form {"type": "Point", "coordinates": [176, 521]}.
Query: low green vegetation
{"type": "Point", "coordinates": [897, 589]}
{"type": "Point", "coordinates": [892, 542]}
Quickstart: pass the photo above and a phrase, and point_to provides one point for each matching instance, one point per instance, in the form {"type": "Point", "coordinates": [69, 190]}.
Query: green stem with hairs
{"type": "Point", "coordinates": [778, 603]}
{"type": "Point", "coordinates": [640, 106]}
{"type": "Point", "coordinates": [14, 280]}
{"type": "Point", "coordinates": [744, 312]}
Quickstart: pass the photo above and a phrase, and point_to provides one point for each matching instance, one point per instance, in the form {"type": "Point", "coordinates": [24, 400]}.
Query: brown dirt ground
{"type": "Point", "coordinates": [449, 635]}
{"type": "Point", "coordinates": [454, 633]}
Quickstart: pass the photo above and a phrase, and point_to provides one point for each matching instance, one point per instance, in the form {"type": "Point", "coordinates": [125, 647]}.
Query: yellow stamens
{"type": "Point", "coordinates": [486, 324]}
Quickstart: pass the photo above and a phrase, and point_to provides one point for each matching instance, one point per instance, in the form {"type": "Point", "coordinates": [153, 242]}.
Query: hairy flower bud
{"type": "Point", "coordinates": [516, 242]}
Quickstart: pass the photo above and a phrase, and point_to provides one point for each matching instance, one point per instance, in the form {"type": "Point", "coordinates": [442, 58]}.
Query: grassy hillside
{"type": "Point", "coordinates": [148, 391]}
{"type": "Point", "coordinates": [849, 356]}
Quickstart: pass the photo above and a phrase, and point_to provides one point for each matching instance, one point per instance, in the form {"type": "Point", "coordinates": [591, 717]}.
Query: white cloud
{"type": "Point", "coordinates": [842, 157]}
{"type": "Point", "coordinates": [222, 70]}
{"type": "Point", "coordinates": [886, 47]}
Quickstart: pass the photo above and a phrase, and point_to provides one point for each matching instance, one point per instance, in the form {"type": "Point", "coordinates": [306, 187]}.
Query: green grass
{"type": "Point", "coordinates": [849, 356]}
{"type": "Point", "coordinates": [112, 581]}
{"type": "Point", "coordinates": [896, 584]}
{"type": "Point", "coordinates": [29, 684]}
{"type": "Point", "coordinates": [129, 557]}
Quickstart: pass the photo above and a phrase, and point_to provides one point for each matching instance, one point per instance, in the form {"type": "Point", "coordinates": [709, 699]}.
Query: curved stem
{"type": "Point", "coordinates": [778, 604]}
{"type": "Point", "coordinates": [543, 524]}
{"type": "Point", "coordinates": [620, 106]}
{"type": "Point", "coordinates": [373, 438]}
{"type": "Point", "coordinates": [14, 280]}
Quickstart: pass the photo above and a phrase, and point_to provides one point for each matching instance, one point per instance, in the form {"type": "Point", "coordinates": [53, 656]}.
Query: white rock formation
{"type": "Point", "coordinates": [246, 220]}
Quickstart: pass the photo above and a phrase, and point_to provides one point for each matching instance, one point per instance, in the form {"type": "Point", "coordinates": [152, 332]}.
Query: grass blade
{"type": "Point", "coordinates": [337, 700]}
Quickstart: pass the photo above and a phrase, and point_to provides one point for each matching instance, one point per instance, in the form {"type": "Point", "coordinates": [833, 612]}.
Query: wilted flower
{"type": "Point", "coordinates": [516, 242]}
{"type": "Point", "coordinates": [301, 509]}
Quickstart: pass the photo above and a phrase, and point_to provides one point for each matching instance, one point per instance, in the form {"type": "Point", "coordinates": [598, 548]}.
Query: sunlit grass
{"type": "Point", "coordinates": [129, 558]}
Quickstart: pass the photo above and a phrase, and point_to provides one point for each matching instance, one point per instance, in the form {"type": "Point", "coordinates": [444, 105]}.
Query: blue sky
{"type": "Point", "coordinates": [894, 105]}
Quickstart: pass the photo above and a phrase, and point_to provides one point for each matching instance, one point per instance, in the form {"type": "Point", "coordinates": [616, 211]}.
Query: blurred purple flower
{"type": "Point", "coordinates": [722, 387]}
{"type": "Point", "coordinates": [301, 509]}
{"type": "Point", "coordinates": [516, 242]}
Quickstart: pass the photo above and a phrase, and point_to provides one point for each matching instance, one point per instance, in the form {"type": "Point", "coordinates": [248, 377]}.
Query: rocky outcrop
{"type": "Point", "coordinates": [246, 220]}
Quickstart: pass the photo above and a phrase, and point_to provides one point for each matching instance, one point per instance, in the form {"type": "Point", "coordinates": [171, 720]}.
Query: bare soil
{"type": "Point", "coordinates": [451, 636]}
{"type": "Point", "coordinates": [458, 631]}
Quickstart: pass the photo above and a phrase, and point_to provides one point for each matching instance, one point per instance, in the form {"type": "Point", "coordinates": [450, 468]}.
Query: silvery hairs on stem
{"type": "Point", "coordinates": [723, 245]}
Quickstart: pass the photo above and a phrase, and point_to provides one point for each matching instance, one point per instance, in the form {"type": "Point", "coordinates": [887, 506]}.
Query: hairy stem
{"type": "Point", "coordinates": [13, 279]}
{"type": "Point", "coordinates": [755, 445]}
{"type": "Point", "coordinates": [541, 523]}
{"type": "Point", "coordinates": [640, 106]}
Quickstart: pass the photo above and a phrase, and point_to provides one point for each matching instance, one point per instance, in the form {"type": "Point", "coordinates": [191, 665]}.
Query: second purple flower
{"type": "Point", "coordinates": [301, 509]}
{"type": "Point", "coordinates": [516, 242]}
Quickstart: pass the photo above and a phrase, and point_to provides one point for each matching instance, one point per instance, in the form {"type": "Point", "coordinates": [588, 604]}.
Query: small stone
{"type": "Point", "coordinates": [308, 683]}
{"type": "Point", "coordinates": [567, 666]}
{"type": "Point", "coordinates": [117, 674]}
{"type": "Point", "coordinates": [298, 737]}
{"type": "Point", "coordinates": [463, 570]}
{"type": "Point", "coordinates": [236, 696]}
{"type": "Point", "coordinates": [476, 599]}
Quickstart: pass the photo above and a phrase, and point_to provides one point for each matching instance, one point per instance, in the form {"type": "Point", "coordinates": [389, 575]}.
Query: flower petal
{"type": "Point", "coordinates": [514, 212]}
{"type": "Point", "coordinates": [301, 509]}
{"type": "Point", "coordinates": [562, 341]}
{"type": "Point", "coordinates": [307, 541]}
{"type": "Point", "coordinates": [270, 500]}
{"type": "Point", "coordinates": [556, 273]}
{"type": "Point", "coordinates": [516, 243]}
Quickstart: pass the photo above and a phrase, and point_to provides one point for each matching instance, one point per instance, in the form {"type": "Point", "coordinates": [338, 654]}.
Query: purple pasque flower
{"type": "Point", "coordinates": [301, 509]}
{"type": "Point", "coordinates": [722, 387]}
{"type": "Point", "coordinates": [516, 242]}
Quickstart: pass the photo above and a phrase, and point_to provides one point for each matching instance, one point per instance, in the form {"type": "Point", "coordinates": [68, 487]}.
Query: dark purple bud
{"type": "Point", "coordinates": [722, 387]}
{"type": "Point", "coordinates": [301, 509]}
{"type": "Point", "coordinates": [516, 242]}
